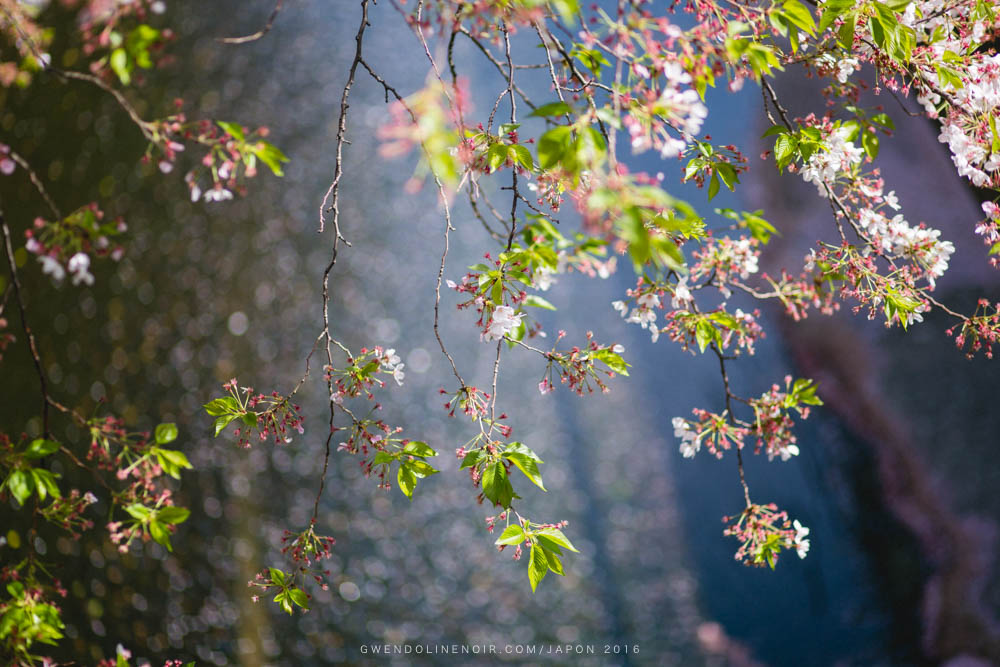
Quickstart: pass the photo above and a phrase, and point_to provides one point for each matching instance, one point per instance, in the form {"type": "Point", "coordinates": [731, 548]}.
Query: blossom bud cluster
{"type": "Point", "coordinates": [66, 245]}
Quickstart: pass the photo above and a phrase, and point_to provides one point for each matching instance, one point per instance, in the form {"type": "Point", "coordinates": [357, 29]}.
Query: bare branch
{"type": "Point", "coordinates": [260, 33]}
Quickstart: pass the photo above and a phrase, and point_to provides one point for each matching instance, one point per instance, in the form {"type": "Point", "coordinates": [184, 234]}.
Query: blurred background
{"type": "Point", "coordinates": [896, 479]}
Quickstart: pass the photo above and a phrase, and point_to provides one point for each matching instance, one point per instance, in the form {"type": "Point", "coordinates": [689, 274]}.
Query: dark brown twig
{"type": "Point", "coordinates": [32, 346]}
{"type": "Point", "coordinates": [260, 33]}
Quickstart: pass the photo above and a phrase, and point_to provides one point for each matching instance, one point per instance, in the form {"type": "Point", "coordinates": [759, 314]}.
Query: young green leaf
{"type": "Point", "coordinates": [538, 302]}
{"type": "Point", "coordinates": [552, 109]}
{"type": "Point", "coordinates": [421, 468]}
{"type": "Point", "coordinates": [496, 486]}
{"type": "Point", "coordinates": [407, 480]}
{"type": "Point", "coordinates": [497, 155]}
{"type": "Point", "coordinates": [472, 458]}
{"type": "Point", "coordinates": [165, 433]}
{"type": "Point", "coordinates": [522, 156]}
{"type": "Point", "coordinates": [172, 515]}
{"type": "Point", "coordinates": [277, 576]}
{"type": "Point", "coordinates": [235, 130]}
{"type": "Point", "coordinates": [172, 461]}
{"type": "Point", "coordinates": [221, 406]}
{"type": "Point", "coordinates": [45, 484]}
{"type": "Point", "coordinates": [270, 155]}
{"type": "Point", "coordinates": [299, 597]}
{"type": "Point", "coordinates": [418, 448]}
{"type": "Point", "coordinates": [538, 566]}
{"type": "Point", "coordinates": [526, 465]}
{"type": "Point", "coordinates": [713, 185]}
{"type": "Point", "coordinates": [558, 537]}
{"type": "Point", "coordinates": [511, 536]}
{"type": "Point", "coordinates": [160, 534]}
{"type": "Point", "coordinates": [21, 485]}
{"type": "Point", "coordinates": [222, 422]}
{"type": "Point", "coordinates": [41, 448]}
{"type": "Point", "coordinates": [554, 562]}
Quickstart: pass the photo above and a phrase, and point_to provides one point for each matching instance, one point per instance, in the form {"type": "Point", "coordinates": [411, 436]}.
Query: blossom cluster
{"type": "Point", "coordinates": [232, 154]}
{"type": "Point", "coordinates": [360, 376]}
{"type": "Point", "coordinates": [763, 532]}
{"type": "Point", "coordinates": [576, 368]}
{"type": "Point", "coordinates": [66, 245]}
{"type": "Point", "coordinates": [837, 157]}
{"type": "Point", "coordinates": [260, 416]}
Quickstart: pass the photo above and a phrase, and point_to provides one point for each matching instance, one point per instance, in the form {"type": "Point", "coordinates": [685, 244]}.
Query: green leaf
{"type": "Point", "coordinates": [21, 485]}
{"type": "Point", "coordinates": [172, 515]}
{"type": "Point", "coordinates": [760, 229]}
{"type": "Point", "coordinates": [548, 543]}
{"type": "Point", "coordinates": [832, 10]}
{"type": "Point", "coordinates": [845, 35]}
{"type": "Point", "coordinates": [592, 59]}
{"type": "Point", "coordinates": [383, 458]}
{"type": "Point", "coordinates": [172, 461]}
{"type": "Point", "coordinates": [270, 155]}
{"type": "Point", "coordinates": [160, 533]}
{"type": "Point", "coordinates": [496, 486]}
{"type": "Point", "coordinates": [552, 146]}
{"type": "Point", "coordinates": [497, 155]}
{"type": "Point", "coordinates": [282, 599]}
{"type": "Point", "coordinates": [612, 360]}
{"type": "Point", "coordinates": [513, 535]}
{"type": "Point", "coordinates": [554, 562]}
{"type": "Point", "coordinates": [523, 156]}
{"type": "Point", "coordinates": [784, 148]}
{"type": "Point", "coordinates": [558, 537]}
{"type": "Point", "coordinates": [727, 174]}
{"type": "Point", "coordinates": [799, 15]}
{"type": "Point", "coordinates": [222, 422]}
{"type": "Point", "coordinates": [299, 597]}
{"type": "Point", "coordinates": [277, 576]}
{"type": "Point", "coordinates": [120, 65]}
{"type": "Point", "coordinates": [421, 468]}
{"type": "Point", "coordinates": [221, 406]}
{"type": "Point", "coordinates": [526, 465]}
{"type": "Point", "coordinates": [235, 130]}
{"type": "Point", "coordinates": [805, 392]}
{"type": "Point", "coordinates": [139, 42]}
{"type": "Point", "coordinates": [567, 9]}
{"type": "Point", "coordinates": [538, 302]}
{"type": "Point", "coordinates": [41, 448]}
{"type": "Point", "coordinates": [590, 145]}
{"type": "Point", "coordinates": [497, 294]}
{"type": "Point", "coordinates": [552, 109]}
{"type": "Point", "coordinates": [538, 566]}
{"type": "Point", "coordinates": [520, 448]}
{"type": "Point", "coordinates": [138, 511]}
{"type": "Point", "coordinates": [165, 433]}
{"type": "Point", "coordinates": [870, 142]}
{"type": "Point", "coordinates": [472, 458]}
{"type": "Point", "coordinates": [418, 448]}
{"type": "Point", "coordinates": [713, 185]}
{"type": "Point", "coordinates": [407, 480]}
{"type": "Point", "coordinates": [45, 484]}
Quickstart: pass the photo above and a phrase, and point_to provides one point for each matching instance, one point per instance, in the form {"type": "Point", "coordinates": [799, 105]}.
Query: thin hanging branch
{"type": "Point", "coordinates": [22, 311]}
{"type": "Point", "coordinates": [260, 33]}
